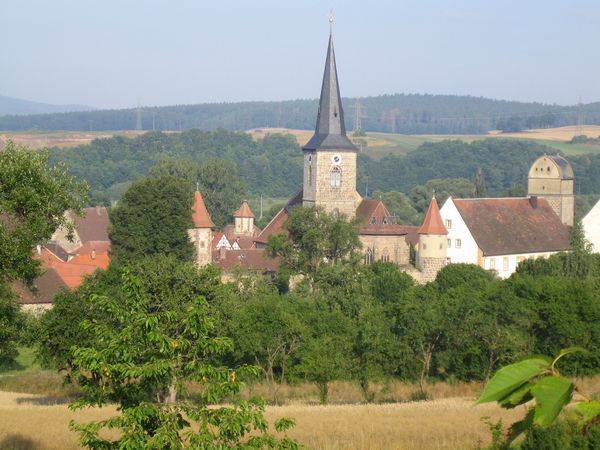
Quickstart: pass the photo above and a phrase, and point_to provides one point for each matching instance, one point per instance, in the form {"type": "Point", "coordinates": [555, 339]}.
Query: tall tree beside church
{"type": "Point", "coordinates": [222, 188]}
{"type": "Point", "coordinates": [152, 218]}
{"type": "Point", "coordinates": [33, 199]}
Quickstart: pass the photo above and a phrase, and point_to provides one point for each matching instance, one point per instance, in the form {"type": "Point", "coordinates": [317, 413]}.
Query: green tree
{"type": "Point", "coordinates": [314, 238]}
{"type": "Point", "coordinates": [33, 200]}
{"type": "Point", "coordinates": [222, 188]}
{"type": "Point", "coordinates": [135, 360]}
{"type": "Point", "coordinates": [268, 332]}
{"type": "Point", "coordinates": [152, 218]}
{"type": "Point", "coordinates": [479, 183]}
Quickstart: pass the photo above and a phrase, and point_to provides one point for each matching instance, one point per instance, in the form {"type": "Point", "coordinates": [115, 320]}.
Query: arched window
{"type": "Point", "coordinates": [369, 256]}
{"type": "Point", "coordinates": [310, 177]}
{"type": "Point", "coordinates": [385, 255]}
{"type": "Point", "coordinates": [335, 177]}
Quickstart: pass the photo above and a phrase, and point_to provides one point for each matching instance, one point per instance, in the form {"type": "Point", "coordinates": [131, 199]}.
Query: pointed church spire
{"type": "Point", "coordinates": [330, 131]}
{"type": "Point", "coordinates": [433, 224]}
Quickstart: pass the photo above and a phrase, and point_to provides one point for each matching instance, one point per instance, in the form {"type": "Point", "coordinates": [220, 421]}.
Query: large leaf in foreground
{"type": "Point", "coordinates": [552, 394]}
{"type": "Point", "coordinates": [511, 377]}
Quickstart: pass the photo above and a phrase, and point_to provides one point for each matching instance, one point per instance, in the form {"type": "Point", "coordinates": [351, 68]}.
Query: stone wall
{"type": "Point", "coordinates": [202, 240]}
{"type": "Point", "coordinates": [386, 248]}
{"type": "Point", "coordinates": [430, 268]}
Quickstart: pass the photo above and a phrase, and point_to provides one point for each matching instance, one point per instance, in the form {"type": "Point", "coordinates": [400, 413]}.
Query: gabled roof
{"type": "Point", "coordinates": [330, 131]}
{"type": "Point", "coordinates": [45, 287]}
{"type": "Point", "coordinates": [244, 211]}
{"type": "Point", "coordinates": [275, 226]}
{"type": "Point", "coordinates": [433, 224]}
{"type": "Point", "coordinates": [200, 215]}
{"type": "Point", "coordinates": [92, 225]}
{"type": "Point", "coordinates": [507, 226]}
{"type": "Point", "coordinates": [376, 220]}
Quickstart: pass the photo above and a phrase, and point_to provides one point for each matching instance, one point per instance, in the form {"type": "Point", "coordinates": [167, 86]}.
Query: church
{"type": "Point", "coordinates": [495, 234]}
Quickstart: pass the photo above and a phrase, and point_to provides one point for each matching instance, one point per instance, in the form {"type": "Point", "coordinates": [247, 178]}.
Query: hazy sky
{"type": "Point", "coordinates": [114, 53]}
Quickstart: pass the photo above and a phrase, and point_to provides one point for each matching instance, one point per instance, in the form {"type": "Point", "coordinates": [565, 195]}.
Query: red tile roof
{"type": "Point", "coordinates": [276, 225]}
{"type": "Point", "coordinates": [433, 224]}
{"type": "Point", "coordinates": [376, 220]}
{"type": "Point", "coordinates": [244, 211]}
{"type": "Point", "coordinates": [200, 215]}
{"type": "Point", "coordinates": [505, 226]}
{"type": "Point", "coordinates": [412, 233]}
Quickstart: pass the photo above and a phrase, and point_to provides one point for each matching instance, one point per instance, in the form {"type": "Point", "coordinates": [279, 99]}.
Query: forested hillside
{"type": "Point", "coordinates": [399, 113]}
{"type": "Point", "coordinates": [273, 166]}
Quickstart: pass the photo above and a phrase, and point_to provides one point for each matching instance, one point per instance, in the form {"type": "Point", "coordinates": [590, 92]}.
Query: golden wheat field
{"type": "Point", "coordinates": [28, 422]}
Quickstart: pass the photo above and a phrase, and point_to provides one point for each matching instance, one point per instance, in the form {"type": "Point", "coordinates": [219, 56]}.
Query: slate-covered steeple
{"type": "Point", "coordinates": [330, 132]}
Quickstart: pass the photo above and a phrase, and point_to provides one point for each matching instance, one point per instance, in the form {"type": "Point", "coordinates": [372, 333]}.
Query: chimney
{"type": "Point", "coordinates": [533, 201]}
{"type": "Point", "coordinates": [93, 254]}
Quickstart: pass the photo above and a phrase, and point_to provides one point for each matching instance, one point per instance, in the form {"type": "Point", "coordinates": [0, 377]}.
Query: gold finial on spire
{"type": "Point", "coordinates": [331, 21]}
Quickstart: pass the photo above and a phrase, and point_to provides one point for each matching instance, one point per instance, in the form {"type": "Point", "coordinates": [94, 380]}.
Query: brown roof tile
{"type": "Point", "coordinates": [92, 225]}
{"type": "Point", "coordinates": [376, 220]}
{"type": "Point", "coordinates": [244, 211]}
{"type": "Point", "coordinates": [200, 215]}
{"type": "Point", "coordinates": [503, 226]}
{"type": "Point", "coordinates": [46, 286]}
{"type": "Point", "coordinates": [433, 224]}
{"type": "Point", "coordinates": [275, 226]}
{"type": "Point", "coordinates": [250, 259]}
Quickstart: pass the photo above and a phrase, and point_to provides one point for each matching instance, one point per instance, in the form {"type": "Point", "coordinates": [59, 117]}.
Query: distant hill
{"type": "Point", "coordinates": [398, 113]}
{"type": "Point", "coordinates": [17, 106]}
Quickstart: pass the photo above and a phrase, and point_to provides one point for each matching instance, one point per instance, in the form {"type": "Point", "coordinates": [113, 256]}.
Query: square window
{"type": "Point", "coordinates": [448, 224]}
{"type": "Point", "coordinates": [493, 264]}
{"type": "Point", "coordinates": [458, 243]}
{"type": "Point", "coordinates": [449, 243]}
{"type": "Point", "coordinates": [505, 263]}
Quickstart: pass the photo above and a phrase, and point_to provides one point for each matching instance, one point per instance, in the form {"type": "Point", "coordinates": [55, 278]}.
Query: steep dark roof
{"type": "Point", "coordinates": [330, 131]}
{"type": "Point", "coordinates": [92, 225]}
{"type": "Point", "coordinates": [433, 224]}
{"type": "Point", "coordinates": [504, 226]}
{"type": "Point", "coordinates": [244, 211]}
{"type": "Point", "coordinates": [376, 220]}
{"type": "Point", "coordinates": [44, 288]}
{"type": "Point", "coordinates": [249, 259]}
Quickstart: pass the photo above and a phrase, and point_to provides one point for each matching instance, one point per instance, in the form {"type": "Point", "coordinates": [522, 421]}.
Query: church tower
{"type": "Point", "coordinates": [202, 233]}
{"type": "Point", "coordinates": [431, 256]}
{"type": "Point", "coordinates": [329, 156]}
{"type": "Point", "coordinates": [551, 177]}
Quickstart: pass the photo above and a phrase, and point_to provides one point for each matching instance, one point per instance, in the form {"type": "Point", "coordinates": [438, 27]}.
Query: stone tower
{"type": "Point", "coordinates": [329, 156]}
{"type": "Point", "coordinates": [431, 256]}
{"type": "Point", "coordinates": [244, 220]}
{"type": "Point", "coordinates": [551, 177]}
{"type": "Point", "coordinates": [202, 233]}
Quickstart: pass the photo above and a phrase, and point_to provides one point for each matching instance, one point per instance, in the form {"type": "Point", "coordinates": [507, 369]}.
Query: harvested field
{"type": "Point", "coordinates": [33, 422]}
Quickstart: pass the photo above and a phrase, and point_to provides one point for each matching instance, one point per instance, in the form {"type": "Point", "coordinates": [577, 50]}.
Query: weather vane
{"type": "Point", "coordinates": [331, 21]}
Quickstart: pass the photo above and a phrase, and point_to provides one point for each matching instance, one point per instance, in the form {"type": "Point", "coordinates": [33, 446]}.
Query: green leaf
{"type": "Point", "coordinates": [512, 377]}
{"type": "Point", "coordinates": [517, 397]}
{"type": "Point", "coordinates": [552, 394]}
{"type": "Point", "coordinates": [588, 411]}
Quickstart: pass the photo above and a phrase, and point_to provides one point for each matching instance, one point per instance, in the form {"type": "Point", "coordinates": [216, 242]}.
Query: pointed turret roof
{"type": "Point", "coordinates": [244, 211]}
{"type": "Point", "coordinates": [200, 214]}
{"type": "Point", "coordinates": [330, 132]}
{"type": "Point", "coordinates": [433, 223]}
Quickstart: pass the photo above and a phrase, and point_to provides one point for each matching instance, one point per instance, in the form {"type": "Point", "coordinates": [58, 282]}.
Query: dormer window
{"type": "Point", "coordinates": [384, 221]}
{"type": "Point", "coordinates": [373, 220]}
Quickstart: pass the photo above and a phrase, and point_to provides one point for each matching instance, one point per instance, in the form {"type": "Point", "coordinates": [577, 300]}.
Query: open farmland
{"type": "Point", "coordinates": [383, 144]}
{"type": "Point", "coordinates": [32, 422]}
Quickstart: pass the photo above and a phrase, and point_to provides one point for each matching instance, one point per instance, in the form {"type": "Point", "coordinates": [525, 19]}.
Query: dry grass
{"type": "Point", "coordinates": [303, 136]}
{"type": "Point", "coordinates": [554, 134]}
{"type": "Point", "coordinates": [60, 138]}
{"type": "Point", "coordinates": [26, 422]}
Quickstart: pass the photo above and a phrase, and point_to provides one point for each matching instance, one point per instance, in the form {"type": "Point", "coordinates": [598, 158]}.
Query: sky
{"type": "Point", "coordinates": [118, 53]}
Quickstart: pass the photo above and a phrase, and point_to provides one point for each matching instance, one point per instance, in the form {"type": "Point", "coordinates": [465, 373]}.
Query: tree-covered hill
{"type": "Point", "coordinates": [398, 113]}
{"type": "Point", "coordinates": [273, 166]}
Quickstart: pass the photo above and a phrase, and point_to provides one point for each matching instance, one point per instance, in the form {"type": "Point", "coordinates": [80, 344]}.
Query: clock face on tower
{"type": "Point", "coordinates": [336, 160]}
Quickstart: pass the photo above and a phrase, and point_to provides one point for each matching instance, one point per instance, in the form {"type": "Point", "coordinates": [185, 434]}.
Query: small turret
{"type": "Point", "coordinates": [202, 233]}
{"type": "Point", "coordinates": [244, 220]}
{"type": "Point", "coordinates": [431, 256]}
